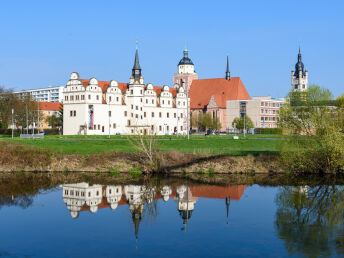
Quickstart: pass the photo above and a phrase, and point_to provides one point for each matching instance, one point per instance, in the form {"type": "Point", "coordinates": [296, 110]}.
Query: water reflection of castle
{"type": "Point", "coordinates": [85, 197]}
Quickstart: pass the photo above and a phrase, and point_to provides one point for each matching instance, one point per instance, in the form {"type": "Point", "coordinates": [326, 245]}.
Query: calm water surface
{"type": "Point", "coordinates": [173, 220]}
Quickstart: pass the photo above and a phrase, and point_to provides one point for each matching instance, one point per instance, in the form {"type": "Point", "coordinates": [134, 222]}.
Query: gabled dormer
{"type": "Point", "coordinates": [93, 91]}
{"type": "Point", "coordinates": [166, 99]}
{"type": "Point", "coordinates": [149, 99]}
{"type": "Point", "coordinates": [113, 93]}
{"type": "Point", "coordinates": [181, 98]}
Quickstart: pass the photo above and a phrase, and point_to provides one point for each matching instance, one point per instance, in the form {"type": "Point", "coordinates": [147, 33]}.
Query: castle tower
{"type": "Point", "coordinates": [186, 72]}
{"type": "Point", "coordinates": [136, 74]}
{"type": "Point", "coordinates": [299, 77]}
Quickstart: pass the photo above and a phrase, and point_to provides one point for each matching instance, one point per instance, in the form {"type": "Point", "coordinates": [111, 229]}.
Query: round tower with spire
{"type": "Point", "coordinates": [299, 76]}
{"type": "Point", "coordinates": [186, 72]}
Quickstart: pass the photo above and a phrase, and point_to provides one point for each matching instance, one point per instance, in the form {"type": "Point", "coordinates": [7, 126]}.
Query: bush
{"type": "Point", "coordinates": [268, 130]}
{"type": "Point", "coordinates": [323, 153]}
{"type": "Point", "coordinates": [135, 172]}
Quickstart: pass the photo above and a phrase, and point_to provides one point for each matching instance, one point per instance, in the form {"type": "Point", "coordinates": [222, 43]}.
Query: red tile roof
{"type": "Point", "coordinates": [52, 106]}
{"type": "Point", "coordinates": [204, 191]}
{"type": "Point", "coordinates": [124, 86]}
{"type": "Point", "coordinates": [202, 90]}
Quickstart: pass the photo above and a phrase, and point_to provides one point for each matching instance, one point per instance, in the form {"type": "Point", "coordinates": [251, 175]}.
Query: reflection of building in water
{"type": "Point", "coordinates": [186, 203]}
{"type": "Point", "coordinates": [135, 197]}
{"type": "Point", "coordinates": [85, 197]}
{"type": "Point", "coordinates": [165, 192]}
{"type": "Point", "coordinates": [113, 195]}
{"type": "Point", "coordinates": [75, 196]}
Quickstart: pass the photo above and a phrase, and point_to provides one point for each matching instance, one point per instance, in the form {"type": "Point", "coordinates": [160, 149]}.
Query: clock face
{"type": "Point", "coordinates": [137, 72]}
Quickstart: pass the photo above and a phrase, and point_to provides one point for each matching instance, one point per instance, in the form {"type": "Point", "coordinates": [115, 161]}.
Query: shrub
{"type": "Point", "coordinates": [135, 172]}
{"type": "Point", "coordinates": [114, 172]}
{"type": "Point", "coordinates": [268, 130]}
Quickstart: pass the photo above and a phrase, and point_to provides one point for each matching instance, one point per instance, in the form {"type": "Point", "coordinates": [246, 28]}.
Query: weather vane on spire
{"type": "Point", "coordinates": [137, 42]}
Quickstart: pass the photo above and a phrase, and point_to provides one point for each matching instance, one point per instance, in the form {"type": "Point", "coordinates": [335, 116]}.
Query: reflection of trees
{"type": "Point", "coordinates": [23, 201]}
{"type": "Point", "coordinates": [310, 220]}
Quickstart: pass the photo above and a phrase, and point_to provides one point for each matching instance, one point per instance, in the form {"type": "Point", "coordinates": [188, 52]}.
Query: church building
{"type": "Point", "coordinates": [299, 77]}
{"type": "Point", "coordinates": [209, 95]}
{"type": "Point", "coordinates": [93, 107]}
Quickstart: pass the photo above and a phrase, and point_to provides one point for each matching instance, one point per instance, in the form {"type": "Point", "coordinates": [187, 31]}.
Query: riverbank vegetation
{"type": "Point", "coordinates": [314, 114]}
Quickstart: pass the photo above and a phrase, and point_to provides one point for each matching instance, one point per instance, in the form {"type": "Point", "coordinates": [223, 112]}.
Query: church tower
{"type": "Point", "coordinates": [186, 72]}
{"type": "Point", "coordinates": [299, 77]}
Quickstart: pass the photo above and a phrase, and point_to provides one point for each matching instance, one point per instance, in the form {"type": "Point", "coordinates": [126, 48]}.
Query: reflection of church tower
{"type": "Point", "coordinates": [134, 196]}
{"type": "Point", "coordinates": [186, 203]}
{"type": "Point", "coordinates": [228, 200]}
{"type": "Point", "coordinates": [186, 72]}
{"type": "Point", "coordinates": [299, 77]}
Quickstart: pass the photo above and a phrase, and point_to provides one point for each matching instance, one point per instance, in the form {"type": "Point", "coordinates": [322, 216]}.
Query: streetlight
{"type": "Point", "coordinates": [109, 116]}
{"type": "Point", "coordinates": [12, 122]}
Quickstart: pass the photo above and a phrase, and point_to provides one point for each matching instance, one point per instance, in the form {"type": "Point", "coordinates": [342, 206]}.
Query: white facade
{"type": "Point", "coordinates": [49, 94]}
{"type": "Point", "coordinates": [129, 109]}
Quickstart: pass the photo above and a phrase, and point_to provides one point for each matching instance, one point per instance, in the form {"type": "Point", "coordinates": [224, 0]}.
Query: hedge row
{"type": "Point", "coordinates": [268, 130]}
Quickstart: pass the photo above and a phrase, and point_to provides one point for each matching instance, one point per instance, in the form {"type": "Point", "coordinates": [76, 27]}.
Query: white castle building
{"type": "Point", "coordinates": [93, 107]}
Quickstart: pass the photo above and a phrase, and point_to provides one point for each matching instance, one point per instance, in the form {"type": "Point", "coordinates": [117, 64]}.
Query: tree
{"type": "Point", "coordinates": [52, 121]}
{"type": "Point", "coordinates": [312, 113]}
{"type": "Point", "coordinates": [309, 219]}
{"type": "Point", "coordinates": [242, 123]}
{"type": "Point", "coordinates": [21, 105]}
{"type": "Point", "coordinates": [204, 121]}
{"type": "Point", "coordinates": [340, 101]}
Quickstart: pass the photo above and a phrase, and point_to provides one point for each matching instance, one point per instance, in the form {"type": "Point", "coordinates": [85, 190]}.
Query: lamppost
{"type": "Point", "coordinates": [109, 117]}
{"type": "Point", "coordinates": [12, 122]}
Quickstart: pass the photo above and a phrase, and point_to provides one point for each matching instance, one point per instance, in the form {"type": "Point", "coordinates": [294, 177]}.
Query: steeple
{"type": "Point", "coordinates": [299, 76]}
{"type": "Point", "coordinates": [136, 71]}
{"type": "Point", "coordinates": [299, 67]}
{"type": "Point", "coordinates": [228, 76]}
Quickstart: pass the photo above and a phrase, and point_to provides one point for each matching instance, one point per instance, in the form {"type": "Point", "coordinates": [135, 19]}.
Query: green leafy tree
{"type": "Point", "coordinates": [242, 123]}
{"type": "Point", "coordinates": [204, 121]}
{"type": "Point", "coordinates": [52, 121]}
{"type": "Point", "coordinates": [312, 113]}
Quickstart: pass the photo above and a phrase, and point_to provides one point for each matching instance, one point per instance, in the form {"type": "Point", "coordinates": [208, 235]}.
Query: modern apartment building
{"type": "Point", "coordinates": [48, 94]}
{"type": "Point", "coordinates": [263, 111]}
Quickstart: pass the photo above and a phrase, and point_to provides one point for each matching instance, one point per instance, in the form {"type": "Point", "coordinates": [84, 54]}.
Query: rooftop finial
{"type": "Point", "coordinates": [137, 43]}
{"type": "Point", "coordinates": [228, 76]}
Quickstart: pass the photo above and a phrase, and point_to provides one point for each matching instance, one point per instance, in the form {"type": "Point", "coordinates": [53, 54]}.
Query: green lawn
{"type": "Point", "coordinates": [214, 144]}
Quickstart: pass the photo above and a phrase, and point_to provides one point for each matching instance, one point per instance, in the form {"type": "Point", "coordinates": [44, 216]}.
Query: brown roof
{"type": "Point", "coordinates": [53, 106]}
{"type": "Point", "coordinates": [202, 90]}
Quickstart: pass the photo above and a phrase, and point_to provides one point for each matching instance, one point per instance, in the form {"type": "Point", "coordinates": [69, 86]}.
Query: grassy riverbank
{"type": "Point", "coordinates": [198, 144]}
{"type": "Point", "coordinates": [211, 154]}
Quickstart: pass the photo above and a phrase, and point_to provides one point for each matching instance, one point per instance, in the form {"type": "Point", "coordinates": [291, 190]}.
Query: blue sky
{"type": "Point", "coordinates": [42, 42]}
